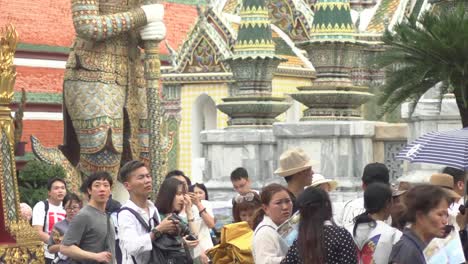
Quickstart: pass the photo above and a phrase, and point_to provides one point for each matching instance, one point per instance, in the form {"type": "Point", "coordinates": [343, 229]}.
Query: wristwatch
{"type": "Point", "coordinates": [157, 234]}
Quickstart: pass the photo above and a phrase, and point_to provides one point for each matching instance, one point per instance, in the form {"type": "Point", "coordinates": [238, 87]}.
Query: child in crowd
{"type": "Point", "coordinates": [245, 206]}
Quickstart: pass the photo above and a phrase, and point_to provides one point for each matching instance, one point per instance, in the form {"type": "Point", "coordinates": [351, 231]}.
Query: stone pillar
{"type": "Point", "coordinates": [389, 140]}
{"type": "Point", "coordinates": [253, 149]}
{"type": "Point", "coordinates": [341, 149]}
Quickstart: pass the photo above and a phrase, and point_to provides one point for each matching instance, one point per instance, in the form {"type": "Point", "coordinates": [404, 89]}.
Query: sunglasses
{"type": "Point", "coordinates": [247, 197]}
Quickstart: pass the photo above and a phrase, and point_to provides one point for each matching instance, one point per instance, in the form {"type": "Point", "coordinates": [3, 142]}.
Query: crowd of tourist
{"type": "Point", "coordinates": [385, 225]}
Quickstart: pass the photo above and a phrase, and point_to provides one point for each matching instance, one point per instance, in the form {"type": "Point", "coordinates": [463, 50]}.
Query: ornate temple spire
{"type": "Point", "coordinates": [254, 36]}
{"type": "Point", "coordinates": [332, 22]}
{"type": "Point", "coordinates": [333, 51]}
{"type": "Point", "coordinates": [253, 64]}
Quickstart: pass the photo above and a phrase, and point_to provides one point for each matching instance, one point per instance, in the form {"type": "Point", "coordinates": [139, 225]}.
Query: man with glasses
{"type": "Point", "coordinates": [240, 181]}
{"type": "Point", "coordinates": [72, 204]}
{"type": "Point", "coordinates": [91, 238]}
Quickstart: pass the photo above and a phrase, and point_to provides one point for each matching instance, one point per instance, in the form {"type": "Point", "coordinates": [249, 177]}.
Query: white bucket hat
{"type": "Point", "coordinates": [320, 179]}
{"type": "Point", "coordinates": [293, 161]}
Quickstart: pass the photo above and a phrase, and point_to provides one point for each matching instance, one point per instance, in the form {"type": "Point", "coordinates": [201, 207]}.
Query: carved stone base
{"type": "Point", "coordinates": [332, 103]}
{"type": "Point", "coordinates": [259, 112]}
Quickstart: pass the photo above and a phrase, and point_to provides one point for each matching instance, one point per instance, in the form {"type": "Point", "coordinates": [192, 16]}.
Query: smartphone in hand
{"type": "Point", "coordinates": [191, 237]}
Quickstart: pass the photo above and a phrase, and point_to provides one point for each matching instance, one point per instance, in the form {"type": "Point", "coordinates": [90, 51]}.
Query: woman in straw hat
{"type": "Point", "coordinates": [321, 182]}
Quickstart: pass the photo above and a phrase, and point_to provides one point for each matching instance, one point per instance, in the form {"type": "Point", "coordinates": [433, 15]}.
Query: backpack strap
{"type": "Point", "coordinates": [46, 210]}
{"type": "Point", "coordinates": [138, 217]}
{"type": "Point", "coordinates": [256, 231]}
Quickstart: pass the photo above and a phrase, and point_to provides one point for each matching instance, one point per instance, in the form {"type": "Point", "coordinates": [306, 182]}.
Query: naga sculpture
{"type": "Point", "coordinates": [104, 91]}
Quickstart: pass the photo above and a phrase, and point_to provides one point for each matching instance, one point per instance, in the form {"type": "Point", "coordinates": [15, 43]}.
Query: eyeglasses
{"type": "Point", "coordinates": [73, 208]}
{"type": "Point", "coordinates": [247, 197]}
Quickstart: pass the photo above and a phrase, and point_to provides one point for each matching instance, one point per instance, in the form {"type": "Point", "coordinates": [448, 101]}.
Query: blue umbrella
{"type": "Point", "coordinates": [448, 148]}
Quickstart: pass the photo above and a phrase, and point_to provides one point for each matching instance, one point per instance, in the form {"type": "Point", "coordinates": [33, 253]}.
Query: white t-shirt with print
{"type": "Point", "coordinates": [55, 214]}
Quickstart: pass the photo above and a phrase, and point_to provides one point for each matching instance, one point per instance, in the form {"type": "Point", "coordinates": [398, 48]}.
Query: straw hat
{"type": "Point", "coordinates": [319, 179]}
{"type": "Point", "coordinates": [445, 181]}
{"type": "Point", "coordinates": [293, 161]}
{"type": "Point", "coordinates": [397, 192]}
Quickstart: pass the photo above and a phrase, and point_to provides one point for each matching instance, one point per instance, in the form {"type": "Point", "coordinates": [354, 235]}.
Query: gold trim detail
{"type": "Point", "coordinates": [28, 248]}
{"type": "Point", "coordinates": [332, 28]}
{"type": "Point", "coordinates": [338, 5]}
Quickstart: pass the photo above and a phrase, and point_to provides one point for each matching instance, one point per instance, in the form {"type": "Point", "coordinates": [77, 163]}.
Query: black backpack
{"type": "Point", "coordinates": [166, 249]}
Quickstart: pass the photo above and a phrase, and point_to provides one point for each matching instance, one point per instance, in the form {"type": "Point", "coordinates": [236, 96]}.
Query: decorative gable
{"type": "Point", "coordinates": [206, 46]}
{"type": "Point", "coordinates": [203, 58]}
{"type": "Point", "coordinates": [292, 17]}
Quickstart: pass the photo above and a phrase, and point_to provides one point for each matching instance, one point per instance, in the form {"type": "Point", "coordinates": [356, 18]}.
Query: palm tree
{"type": "Point", "coordinates": [425, 51]}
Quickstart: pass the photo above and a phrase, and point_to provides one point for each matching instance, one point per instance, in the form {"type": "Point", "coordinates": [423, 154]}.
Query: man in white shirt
{"type": "Point", "coordinates": [48, 212]}
{"type": "Point", "coordinates": [373, 172]}
{"type": "Point", "coordinates": [135, 239]}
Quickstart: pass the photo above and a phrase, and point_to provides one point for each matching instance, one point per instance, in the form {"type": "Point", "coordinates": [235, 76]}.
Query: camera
{"type": "Point", "coordinates": [448, 230]}
{"type": "Point", "coordinates": [191, 237]}
{"type": "Point", "coordinates": [463, 207]}
{"type": "Point", "coordinates": [184, 228]}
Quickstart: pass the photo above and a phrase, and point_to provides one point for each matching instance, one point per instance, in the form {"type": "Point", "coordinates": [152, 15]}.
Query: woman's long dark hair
{"type": "Point", "coordinates": [265, 196]}
{"type": "Point", "coordinates": [376, 198]}
{"type": "Point", "coordinates": [315, 208]}
{"type": "Point", "coordinates": [166, 195]}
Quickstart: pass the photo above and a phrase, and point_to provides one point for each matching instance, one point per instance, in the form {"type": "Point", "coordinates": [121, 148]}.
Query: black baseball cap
{"type": "Point", "coordinates": [375, 172]}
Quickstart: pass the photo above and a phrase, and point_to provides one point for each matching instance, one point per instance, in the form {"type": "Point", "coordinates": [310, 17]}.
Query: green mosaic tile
{"type": "Point", "coordinates": [188, 2]}
{"type": "Point", "coordinates": [39, 98]}
{"type": "Point", "coordinates": [42, 48]}
{"type": "Point", "coordinates": [27, 156]}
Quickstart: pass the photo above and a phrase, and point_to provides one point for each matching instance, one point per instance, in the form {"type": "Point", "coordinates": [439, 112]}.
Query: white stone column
{"type": "Point", "coordinates": [225, 150]}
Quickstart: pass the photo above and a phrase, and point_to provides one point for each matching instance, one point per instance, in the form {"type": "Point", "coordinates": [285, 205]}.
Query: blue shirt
{"type": "Point", "coordinates": [409, 249]}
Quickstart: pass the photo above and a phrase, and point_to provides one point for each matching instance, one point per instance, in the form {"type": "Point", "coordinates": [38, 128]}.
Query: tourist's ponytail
{"type": "Point", "coordinates": [362, 219]}
{"type": "Point", "coordinates": [258, 217]}
{"type": "Point", "coordinates": [377, 196]}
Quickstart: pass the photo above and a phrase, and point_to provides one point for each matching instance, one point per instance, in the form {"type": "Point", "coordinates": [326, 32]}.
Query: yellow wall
{"type": "Point", "coordinates": [190, 93]}
{"type": "Point", "coordinates": [285, 85]}
{"type": "Point", "coordinates": [217, 91]}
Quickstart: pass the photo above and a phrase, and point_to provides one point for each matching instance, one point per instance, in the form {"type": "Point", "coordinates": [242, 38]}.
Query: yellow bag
{"type": "Point", "coordinates": [235, 245]}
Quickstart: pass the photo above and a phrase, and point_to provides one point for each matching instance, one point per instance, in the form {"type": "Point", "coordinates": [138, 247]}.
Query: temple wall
{"type": "Point", "coordinates": [189, 94]}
